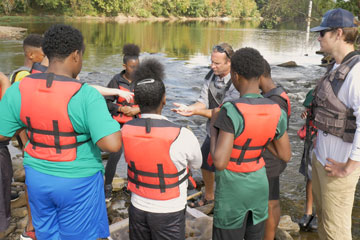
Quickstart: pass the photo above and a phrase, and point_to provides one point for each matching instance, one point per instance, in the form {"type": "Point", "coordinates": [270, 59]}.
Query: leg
{"type": "Point", "coordinates": [316, 192]}
{"type": "Point", "coordinates": [6, 173]}
{"type": "Point", "coordinates": [111, 164]}
{"type": "Point", "coordinates": [138, 227]}
{"type": "Point", "coordinates": [309, 198]}
{"type": "Point", "coordinates": [44, 213]}
{"type": "Point", "coordinates": [274, 209]}
{"type": "Point", "coordinates": [167, 226]}
{"type": "Point", "coordinates": [207, 171]}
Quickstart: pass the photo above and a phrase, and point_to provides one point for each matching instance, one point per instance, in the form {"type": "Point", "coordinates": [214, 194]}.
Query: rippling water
{"type": "Point", "coordinates": [184, 49]}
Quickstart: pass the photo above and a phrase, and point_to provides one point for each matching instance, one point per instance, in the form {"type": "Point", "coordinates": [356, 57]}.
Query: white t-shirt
{"type": "Point", "coordinates": [330, 146]}
{"type": "Point", "coordinates": [184, 152]}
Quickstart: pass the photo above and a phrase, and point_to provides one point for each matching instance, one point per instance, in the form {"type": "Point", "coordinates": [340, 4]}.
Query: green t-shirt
{"type": "Point", "coordinates": [237, 193]}
{"type": "Point", "coordinates": [88, 114]}
{"type": "Point", "coordinates": [308, 99]}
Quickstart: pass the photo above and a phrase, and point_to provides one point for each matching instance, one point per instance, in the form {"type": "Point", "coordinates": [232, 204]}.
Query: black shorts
{"type": "Point", "coordinates": [205, 151]}
{"type": "Point", "coordinates": [247, 231]}
{"type": "Point", "coordinates": [274, 188]}
{"type": "Point", "coordinates": [152, 226]}
{"type": "Point", "coordinates": [6, 174]}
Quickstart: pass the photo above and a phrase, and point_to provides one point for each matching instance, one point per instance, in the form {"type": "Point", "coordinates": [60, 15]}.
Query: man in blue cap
{"type": "Point", "coordinates": [336, 108]}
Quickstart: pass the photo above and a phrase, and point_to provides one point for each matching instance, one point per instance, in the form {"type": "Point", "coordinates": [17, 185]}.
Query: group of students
{"type": "Point", "coordinates": [68, 123]}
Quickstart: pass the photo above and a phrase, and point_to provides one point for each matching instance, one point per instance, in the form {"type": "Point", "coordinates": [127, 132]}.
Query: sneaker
{"type": "Point", "coordinates": [28, 235]}
{"type": "Point", "coordinates": [313, 224]}
{"type": "Point", "coordinates": [108, 192]}
{"type": "Point", "coordinates": [304, 221]}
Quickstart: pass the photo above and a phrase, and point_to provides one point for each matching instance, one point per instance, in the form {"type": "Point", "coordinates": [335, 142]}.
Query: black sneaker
{"type": "Point", "coordinates": [108, 192]}
{"type": "Point", "coordinates": [313, 224]}
{"type": "Point", "coordinates": [304, 221]}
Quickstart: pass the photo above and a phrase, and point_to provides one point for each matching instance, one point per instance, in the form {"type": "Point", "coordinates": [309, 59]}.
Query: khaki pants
{"type": "Point", "coordinates": [334, 199]}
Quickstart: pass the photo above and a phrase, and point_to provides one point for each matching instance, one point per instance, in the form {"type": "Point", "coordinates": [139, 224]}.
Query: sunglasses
{"type": "Point", "coordinates": [220, 49]}
{"type": "Point", "coordinates": [323, 32]}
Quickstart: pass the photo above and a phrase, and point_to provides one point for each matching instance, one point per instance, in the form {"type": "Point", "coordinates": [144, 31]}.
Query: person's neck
{"type": "Point", "coordinates": [251, 88]}
{"type": "Point", "coordinates": [224, 74]}
{"type": "Point", "coordinates": [59, 68]}
{"type": "Point", "coordinates": [28, 63]}
{"type": "Point", "coordinates": [127, 77]}
{"type": "Point", "coordinates": [340, 53]}
{"type": "Point", "coordinates": [267, 85]}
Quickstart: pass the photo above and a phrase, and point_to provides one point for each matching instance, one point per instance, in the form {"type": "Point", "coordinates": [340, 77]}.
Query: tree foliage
{"type": "Point", "coordinates": [140, 8]}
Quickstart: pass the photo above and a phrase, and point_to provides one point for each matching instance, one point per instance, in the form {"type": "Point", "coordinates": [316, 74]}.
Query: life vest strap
{"type": "Point", "coordinates": [151, 174]}
{"type": "Point", "coordinates": [46, 132]}
{"type": "Point", "coordinates": [156, 186]}
{"type": "Point", "coordinates": [245, 160]}
{"type": "Point", "coordinates": [242, 154]}
{"type": "Point", "coordinates": [62, 147]}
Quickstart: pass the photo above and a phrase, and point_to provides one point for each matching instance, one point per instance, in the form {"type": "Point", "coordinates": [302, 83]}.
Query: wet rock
{"type": "Point", "coordinates": [206, 209]}
{"type": "Point", "coordinates": [118, 183]}
{"type": "Point", "coordinates": [116, 219]}
{"type": "Point", "coordinates": [118, 204]}
{"type": "Point", "coordinates": [199, 228]}
{"type": "Point", "coordinates": [9, 230]}
{"type": "Point", "coordinates": [12, 32]}
{"type": "Point", "coordinates": [19, 212]}
{"type": "Point", "coordinates": [288, 64]}
{"type": "Point", "coordinates": [282, 235]}
{"type": "Point", "coordinates": [21, 223]}
{"type": "Point", "coordinates": [19, 175]}
{"type": "Point", "coordinates": [288, 225]}
{"type": "Point", "coordinates": [20, 202]}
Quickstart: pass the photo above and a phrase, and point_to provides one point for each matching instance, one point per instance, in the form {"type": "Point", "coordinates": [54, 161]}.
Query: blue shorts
{"type": "Point", "coordinates": [67, 208]}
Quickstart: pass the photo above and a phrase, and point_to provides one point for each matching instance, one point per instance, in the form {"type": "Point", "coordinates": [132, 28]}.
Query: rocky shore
{"type": "Point", "coordinates": [12, 32]}
{"type": "Point", "coordinates": [198, 221]}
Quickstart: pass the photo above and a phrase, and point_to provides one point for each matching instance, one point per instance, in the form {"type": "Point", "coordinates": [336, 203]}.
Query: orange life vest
{"type": "Point", "coordinates": [151, 172]}
{"type": "Point", "coordinates": [120, 117]}
{"type": "Point", "coordinates": [261, 117]}
{"type": "Point", "coordinates": [44, 104]}
{"type": "Point", "coordinates": [280, 92]}
{"type": "Point", "coordinates": [38, 68]}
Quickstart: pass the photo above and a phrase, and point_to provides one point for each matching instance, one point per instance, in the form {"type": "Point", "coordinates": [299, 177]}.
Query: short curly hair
{"type": "Point", "coordinates": [149, 87]}
{"type": "Point", "coordinates": [248, 62]}
{"type": "Point", "coordinates": [33, 40]}
{"type": "Point", "coordinates": [61, 40]}
{"type": "Point", "coordinates": [131, 52]}
{"type": "Point", "coordinates": [267, 69]}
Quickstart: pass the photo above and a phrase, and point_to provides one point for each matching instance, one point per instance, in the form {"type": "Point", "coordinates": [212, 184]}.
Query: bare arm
{"type": "Point", "coordinates": [281, 148]}
{"type": "Point", "coordinates": [3, 138]}
{"type": "Point", "coordinates": [4, 84]}
{"type": "Point", "coordinates": [113, 92]}
{"type": "Point", "coordinates": [197, 108]}
{"type": "Point", "coordinates": [110, 143]}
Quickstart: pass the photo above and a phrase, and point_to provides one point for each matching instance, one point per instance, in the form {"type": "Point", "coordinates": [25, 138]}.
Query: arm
{"type": "Point", "coordinates": [113, 92]}
{"type": "Point", "coordinates": [281, 148]}
{"type": "Point", "coordinates": [197, 108]}
{"type": "Point", "coordinates": [110, 143]}
{"type": "Point", "coordinates": [4, 84]}
{"type": "Point", "coordinates": [221, 144]}
{"type": "Point", "coordinates": [129, 111]}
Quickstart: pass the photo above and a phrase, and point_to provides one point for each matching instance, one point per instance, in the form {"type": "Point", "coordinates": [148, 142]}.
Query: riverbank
{"type": "Point", "coordinates": [11, 32]}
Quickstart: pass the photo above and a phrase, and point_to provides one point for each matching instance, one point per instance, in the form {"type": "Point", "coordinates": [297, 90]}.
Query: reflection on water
{"type": "Point", "coordinates": [184, 47]}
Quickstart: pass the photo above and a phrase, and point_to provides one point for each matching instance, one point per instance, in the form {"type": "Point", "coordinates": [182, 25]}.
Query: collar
{"type": "Point", "coordinates": [252, 95]}
{"type": "Point", "coordinates": [153, 116]}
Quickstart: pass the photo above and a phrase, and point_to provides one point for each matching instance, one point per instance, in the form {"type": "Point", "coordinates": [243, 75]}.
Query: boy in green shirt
{"type": "Point", "coordinates": [240, 132]}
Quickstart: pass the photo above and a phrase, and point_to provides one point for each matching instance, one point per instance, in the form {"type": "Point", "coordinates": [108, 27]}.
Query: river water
{"type": "Point", "coordinates": [184, 49]}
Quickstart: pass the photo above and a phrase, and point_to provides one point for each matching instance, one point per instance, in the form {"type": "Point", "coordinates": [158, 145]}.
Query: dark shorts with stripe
{"type": "Point", "coordinates": [6, 174]}
{"type": "Point", "coordinates": [205, 151]}
{"type": "Point", "coordinates": [274, 188]}
{"type": "Point", "coordinates": [155, 226]}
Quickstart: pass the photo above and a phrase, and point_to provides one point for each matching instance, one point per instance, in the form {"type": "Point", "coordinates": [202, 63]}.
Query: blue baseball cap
{"type": "Point", "coordinates": [335, 18]}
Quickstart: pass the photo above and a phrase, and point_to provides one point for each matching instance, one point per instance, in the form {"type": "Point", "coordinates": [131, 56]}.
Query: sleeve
{"type": "Point", "coordinates": [112, 107]}
{"type": "Point", "coordinates": [95, 118]}
{"type": "Point", "coordinates": [353, 98]}
{"type": "Point", "coordinates": [282, 125]}
{"type": "Point", "coordinates": [204, 97]}
{"type": "Point", "coordinates": [21, 75]}
{"type": "Point", "coordinates": [10, 107]}
{"type": "Point", "coordinates": [191, 148]}
{"type": "Point", "coordinates": [229, 120]}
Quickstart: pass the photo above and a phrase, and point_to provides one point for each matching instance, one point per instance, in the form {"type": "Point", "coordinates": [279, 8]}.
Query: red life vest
{"type": "Point", "coordinates": [44, 104]}
{"type": "Point", "coordinates": [122, 118]}
{"type": "Point", "coordinates": [38, 68]}
{"type": "Point", "coordinates": [261, 117]}
{"type": "Point", "coordinates": [151, 172]}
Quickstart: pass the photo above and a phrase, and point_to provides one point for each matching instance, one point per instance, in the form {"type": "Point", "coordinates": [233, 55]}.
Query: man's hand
{"type": "Point", "coordinates": [125, 94]}
{"type": "Point", "coordinates": [130, 111]}
{"type": "Point", "coordinates": [336, 169]}
{"type": "Point", "coordinates": [183, 109]}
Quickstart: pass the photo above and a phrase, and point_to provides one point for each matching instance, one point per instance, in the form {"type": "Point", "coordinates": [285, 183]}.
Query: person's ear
{"type": "Point", "coordinates": [163, 100]}
{"type": "Point", "coordinates": [76, 56]}
{"type": "Point", "coordinates": [124, 65]}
